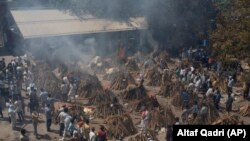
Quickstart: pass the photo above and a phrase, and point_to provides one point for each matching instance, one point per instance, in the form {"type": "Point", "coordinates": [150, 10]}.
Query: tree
{"type": "Point", "coordinates": [232, 36]}
{"type": "Point", "coordinates": [179, 24]}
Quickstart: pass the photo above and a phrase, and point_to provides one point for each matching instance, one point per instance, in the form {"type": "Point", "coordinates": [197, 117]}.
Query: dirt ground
{"type": "Point", "coordinates": [7, 133]}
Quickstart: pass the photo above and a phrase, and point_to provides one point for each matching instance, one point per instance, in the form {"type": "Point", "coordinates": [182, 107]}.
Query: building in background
{"type": "Point", "coordinates": [54, 28]}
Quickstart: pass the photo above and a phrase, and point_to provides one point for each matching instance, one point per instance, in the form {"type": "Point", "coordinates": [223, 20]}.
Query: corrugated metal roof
{"type": "Point", "coordinates": [45, 23]}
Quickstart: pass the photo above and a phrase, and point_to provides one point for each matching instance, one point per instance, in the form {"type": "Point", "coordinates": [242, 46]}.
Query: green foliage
{"type": "Point", "coordinates": [232, 36]}
{"type": "Point", "coordinates": [180, 23]}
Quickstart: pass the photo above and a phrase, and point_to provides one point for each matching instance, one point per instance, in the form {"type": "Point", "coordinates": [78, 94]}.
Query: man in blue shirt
{"type": "Point", "coordinates": [48, 115]}
{"type": "Point", "coordinates": [185, 98]}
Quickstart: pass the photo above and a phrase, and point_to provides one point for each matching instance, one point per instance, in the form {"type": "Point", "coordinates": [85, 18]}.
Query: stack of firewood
{"type": "Point", "coordinates": [121, 81]}
{"type": "Point", "coordinates": [149, 135]}
{"type": "Point", "coordinates": [227, 120]}
{"type": "Point", "coordinates": [44, 78]}
{"type": "Point", "coordinates": [133, 92]}
{"type": "Point", "coordinates": [154, 76]}
{"type": "Point", "coordinates": [89, 86]}
{"type": "Point", "coordinates": [245, 110]}
{"type": "Point", "coordinates": [108, 109]}
{"type": "Point", "coordinates": [131, 65]}
{"type": "Point", "coordinates": [120, 126]}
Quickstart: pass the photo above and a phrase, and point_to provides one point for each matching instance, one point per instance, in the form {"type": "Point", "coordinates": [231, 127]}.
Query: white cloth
{"type": "Point", "coordinates": [66, 124]}
{"type": "Point", "coordinates": [72, 91]}
{"type": "Point", "coordinates": [198, 83]}
{"type": "Point", "coordinates": [62, 117]}
{"type": "Point", "coordinates": [230, 82]}
{"type": "Point", "coordinates": [65, 80]}
{"type": "Point", "coordinates": [91, 136]}
{"type": "Point", "coordinates": [209, 92]}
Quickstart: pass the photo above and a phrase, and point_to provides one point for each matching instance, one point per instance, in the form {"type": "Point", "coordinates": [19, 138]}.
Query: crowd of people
{"type": "Point", "coordinates": [17, 84]}
{"type": "Point", "coordinates": [198, 82]}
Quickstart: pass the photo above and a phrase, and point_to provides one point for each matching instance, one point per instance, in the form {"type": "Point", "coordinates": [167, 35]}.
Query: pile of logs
{"type": "Point", "coordinates": [245, 110]}
{"type": "Point", "coordinates": [133, 92]}
{"type": "Point", "coordinates": [160, 118]}
{"type": "Point", "coordinates": [131, 65]}
{"type": "Point", "coordinates": [149, 135]}
{"type": "Point", "coordinates": [120, 126]}
{"type": "Point", "coordinates": [102, 97]}
{"type": "Point", "coordinates": [121, 81]}
{"type": "Point", "coordinates": [108, 109]}
{"type": "Point", "coordinates": [46, 79]}
{"type": "Point", "coordinates": [150, 102]}
{"type": "Point", "coordinates": [154, 76]}
{"type": "Point", "coordinates": [227, 120]}
{"type": "Point", "coordinates": [89, 86]}
{"type": "Point", "coordinates": [166, 90]}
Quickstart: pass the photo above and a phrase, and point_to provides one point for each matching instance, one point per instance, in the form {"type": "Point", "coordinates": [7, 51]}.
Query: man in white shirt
{"type": "Point", "coordinates": [197, 85]}
{"type": "Point", "coordinates": [92, 134]}
{"type": "Point", "coordinates": [209, 92]}
{"type": "Point", "coordinates": [62, 117]}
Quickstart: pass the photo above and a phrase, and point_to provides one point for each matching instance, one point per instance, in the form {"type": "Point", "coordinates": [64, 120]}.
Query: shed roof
{"type": "Point", "coordinates": [45, 23]}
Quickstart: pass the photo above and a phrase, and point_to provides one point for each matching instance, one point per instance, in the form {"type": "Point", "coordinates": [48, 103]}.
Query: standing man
{"type": "Point", "coordinates": [145, 115]}
{"type": "Point", "coordinates": [35, 120]}
{"type": "Point", "coordinates": [216, 98]}
{"type": "Point", "coordinates": [19, 110]}
{"type": "Point", "coordinates": [230, 86]}
{"type": "Point", "coordinates": [34, 104]}
{"type": "Point", "coordinates": [48, 115]}
{"type": "Point", "coordinates": [204, 113]}
{"type": "Point", "coordinates": [229, 103]}
{"type": "Point", "coordinates": [43, 97]}
{"type": "Point", "coordinates": [64, 91]}
{"type": "Point", "coordinates": [72, 92]}
{"type": "Point", "coordinates": [185, 99]}
{"type": "Point", "coordinates": [62, 117]}
{"type": "Point", "coordinates": [12, 115]}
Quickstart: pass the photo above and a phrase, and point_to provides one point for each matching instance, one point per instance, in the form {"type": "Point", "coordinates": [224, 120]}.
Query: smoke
{"type": "Point", "coordinates": [172, 24]}
{"type": "Point", "coordinates": [64, 50]}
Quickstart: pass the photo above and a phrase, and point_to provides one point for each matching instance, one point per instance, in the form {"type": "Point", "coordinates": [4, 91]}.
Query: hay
{"type": "Point", "coordinates": [120, 126]}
